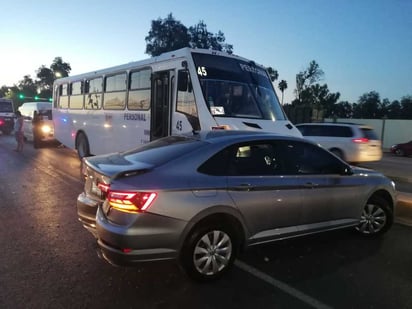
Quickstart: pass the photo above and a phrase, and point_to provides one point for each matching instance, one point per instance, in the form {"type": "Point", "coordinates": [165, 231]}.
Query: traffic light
{"type": "Point", "coordinates": [36, 98]}
{"type": "Point", "coordinates": [21, 96]}
{"type": "Point", "coordinates": [51, 99]}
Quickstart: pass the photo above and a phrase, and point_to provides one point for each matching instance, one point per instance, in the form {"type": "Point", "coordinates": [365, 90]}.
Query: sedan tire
{"type": "Point", "coordinates": [399, 152]}
{"type": "Point", "coordinates": [376, 218]}
{"type": "Point", "coordinates": [209, 252]}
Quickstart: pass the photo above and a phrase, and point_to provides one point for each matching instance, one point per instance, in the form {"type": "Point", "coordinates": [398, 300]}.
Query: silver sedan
{"type": "Point", "coordinates": [201, 199]}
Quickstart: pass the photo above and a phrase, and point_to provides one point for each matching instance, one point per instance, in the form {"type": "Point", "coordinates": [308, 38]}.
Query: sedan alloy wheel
{"type": "Point", "coordinates": [212, 252]}
{"type": "Point", "coordinates": [209, 252]}
{"type": "Point", "coordinates": [376, 217]}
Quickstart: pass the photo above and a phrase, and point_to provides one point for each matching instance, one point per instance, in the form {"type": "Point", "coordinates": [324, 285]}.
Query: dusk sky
{"type": "Point", "coordinates": [361, 45]}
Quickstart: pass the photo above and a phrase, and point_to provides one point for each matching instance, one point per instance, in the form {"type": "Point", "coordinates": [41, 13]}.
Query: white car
{"type": "Point", "coordinates": [352, 142]}
{"type": "Point", "coordinates": [38, 123]}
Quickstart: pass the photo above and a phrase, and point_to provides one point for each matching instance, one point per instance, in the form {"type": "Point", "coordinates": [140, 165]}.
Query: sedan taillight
{"type": "Point", "coordinates": [132, 202]}
{"type": "Point", "coordinates": [362, 140]}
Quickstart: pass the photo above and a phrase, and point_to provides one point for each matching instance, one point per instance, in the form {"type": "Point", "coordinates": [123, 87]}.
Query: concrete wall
{"type": "Point", "coordinates": [391, 131]}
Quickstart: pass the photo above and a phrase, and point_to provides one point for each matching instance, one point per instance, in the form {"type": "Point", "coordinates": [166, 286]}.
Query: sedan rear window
{"type": "Point", "coordinates": [325, 130]}
{"type": "Point", "coordinates": [369, 134]}
{"type": "Point", "coordinates": [162, 150]}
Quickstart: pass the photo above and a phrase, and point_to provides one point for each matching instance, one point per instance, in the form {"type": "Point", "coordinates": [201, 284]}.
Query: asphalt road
{"type": "Point", "coordinates": [48, 259]}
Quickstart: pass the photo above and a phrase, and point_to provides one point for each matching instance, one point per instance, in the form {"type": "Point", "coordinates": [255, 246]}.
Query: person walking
{"type": "Point", "coordinates": [18, 132]}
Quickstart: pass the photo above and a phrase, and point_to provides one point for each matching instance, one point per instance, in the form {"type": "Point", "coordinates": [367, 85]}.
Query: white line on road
{"type": "Point", "coordinates": [282, 286]}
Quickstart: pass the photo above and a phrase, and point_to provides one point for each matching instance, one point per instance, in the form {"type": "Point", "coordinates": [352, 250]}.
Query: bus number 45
{"type": "Point", "coordinates": [179, 125]}
{"type": "Point", "coordinates": [201, 71]}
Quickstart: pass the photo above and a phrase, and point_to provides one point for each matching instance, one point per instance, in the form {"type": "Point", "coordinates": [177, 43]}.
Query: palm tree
{"type": "Point", "coordinates": [283, 85]}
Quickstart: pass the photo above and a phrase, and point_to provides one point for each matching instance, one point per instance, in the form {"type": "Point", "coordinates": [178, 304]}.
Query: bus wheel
{"type": "Point", "coordinates": [82, 146]}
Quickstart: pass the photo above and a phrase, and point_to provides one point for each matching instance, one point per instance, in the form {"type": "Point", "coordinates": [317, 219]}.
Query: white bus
{"type": "Point", "coordinates": [186, 90]}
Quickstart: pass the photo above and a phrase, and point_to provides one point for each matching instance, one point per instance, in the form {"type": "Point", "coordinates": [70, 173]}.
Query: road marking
{"type": "Point", "coordinates": [282, 286]}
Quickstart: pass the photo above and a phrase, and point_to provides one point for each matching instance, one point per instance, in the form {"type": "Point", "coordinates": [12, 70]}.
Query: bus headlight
{"type": "Point", "coordinates": [46, 129]}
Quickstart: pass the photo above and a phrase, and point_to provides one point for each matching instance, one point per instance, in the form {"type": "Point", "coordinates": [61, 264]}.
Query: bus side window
{"type": "Point", "coordinates": [186, 102]}
{"type": "Point", "coordinates": [183, 80]}
{"type": "Point", "coordinates": [64, 96]}
{"type": "Point", "coordinates": [94, 88]}
{"type": "Point", "coordinates": [76, 95]}
{"type": "Point", "coordinates": [115, 92]}
{"type": "Point", "coordinates": [139, 90]}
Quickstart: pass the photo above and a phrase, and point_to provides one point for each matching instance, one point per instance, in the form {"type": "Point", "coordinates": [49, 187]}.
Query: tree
{"type": "Point", "coordinates": [46, 76]}
{"type": "Point", "coordinates": [343, 109]}
{"type": "Point", "coordinates": [322, 99]}
{"type": "Point", "coordinates": [308, 77]}
{"type": "Point", "coordinates": [368, 106]}
{"type": "Point", "coordinates": [283, 85]}
{"type": "Point", "coordinates": [4, 90]}
{"type": "Point", "coordinates": [309, 93]}
{"type": "Point", "coordinates": [60, 68]}
{"type": "Point", "coordinates": [406, 103]}
{"type": "Point", "coordinates": [166, 35]}
{"type": "Point", "coordinates": [27, 86]}
{"type": "Point", "coordinates": [394, 110]}
{"type": "Point", "coordinates": [169, 34]}
{"type": "Point", "coordinates": [200, 37]}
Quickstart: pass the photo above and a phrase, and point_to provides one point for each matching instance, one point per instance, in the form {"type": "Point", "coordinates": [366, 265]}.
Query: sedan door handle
{"type": "Point", "coordinates": [243, 187]}
{"type": "Point", "coordinates": [311, 185]}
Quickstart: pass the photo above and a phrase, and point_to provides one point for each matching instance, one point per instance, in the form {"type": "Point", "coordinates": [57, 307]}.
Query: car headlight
{"type": "Point", "coordinates": [46, 129]}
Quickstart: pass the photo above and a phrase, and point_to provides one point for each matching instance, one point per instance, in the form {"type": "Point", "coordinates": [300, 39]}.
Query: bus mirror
{"type": "Point", "coordinates": [183, 80]}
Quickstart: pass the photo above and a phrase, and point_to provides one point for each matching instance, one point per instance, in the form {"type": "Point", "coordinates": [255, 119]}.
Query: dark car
{"type": "Point", "coordinates": [6, 116]}
{"type": "Point", "coordinates": [201, 199]}
{"type": "Point", "coordinates": [404, 149]}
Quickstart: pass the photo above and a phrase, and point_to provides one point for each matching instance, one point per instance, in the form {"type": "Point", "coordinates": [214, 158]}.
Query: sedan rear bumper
{"type": "Point", "coordinates": [151, 238]}
{"type": "Point", "coordinates": [86, 212]}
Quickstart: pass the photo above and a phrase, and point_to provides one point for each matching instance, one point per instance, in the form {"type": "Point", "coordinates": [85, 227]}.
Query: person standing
{"type": "Point", "coordinates": [18, 132]}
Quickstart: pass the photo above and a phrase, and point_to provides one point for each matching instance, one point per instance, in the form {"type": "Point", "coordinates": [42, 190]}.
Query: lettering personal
{"type": "Point", "coordinates": [135, 117]}
{"type": "Point", "coordinates": [251, 69]}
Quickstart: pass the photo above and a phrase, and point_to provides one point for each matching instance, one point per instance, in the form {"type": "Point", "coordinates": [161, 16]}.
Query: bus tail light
{"type": "Point", "coordinates": [361, 140]}
{"type": "Point", "coordinates": [132, 202]}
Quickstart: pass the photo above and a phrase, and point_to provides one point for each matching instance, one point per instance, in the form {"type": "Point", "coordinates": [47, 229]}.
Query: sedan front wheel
{"type": "Point", "coordinates": [399, 152]}
{"type": "Point", "coordinates": [376, 218]}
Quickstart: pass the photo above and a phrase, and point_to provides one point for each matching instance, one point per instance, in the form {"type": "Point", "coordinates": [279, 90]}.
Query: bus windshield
{"type": "Point", "coordinates": [235, 88]}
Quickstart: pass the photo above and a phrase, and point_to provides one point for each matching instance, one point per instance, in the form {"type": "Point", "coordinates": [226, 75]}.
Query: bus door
{"type": "Point", "coordinates": [160, 105]}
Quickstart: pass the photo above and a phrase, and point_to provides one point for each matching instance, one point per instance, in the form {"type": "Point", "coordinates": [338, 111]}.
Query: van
{"type": "Point", "coordinates": [351, 142]}
{"type": "Point", "coordinates": [6, 116]}
{"type": "Point", "coordinates": [38, 122]}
